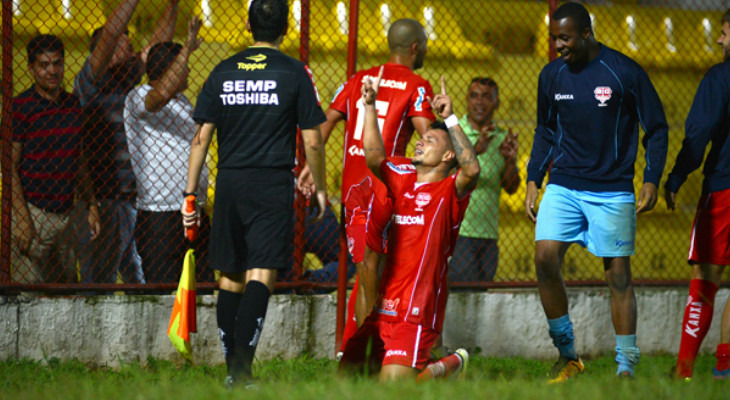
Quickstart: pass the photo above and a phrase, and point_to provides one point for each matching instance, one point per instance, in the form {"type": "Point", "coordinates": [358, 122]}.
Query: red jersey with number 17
{"type": "Point", "coordinates": [402, 95]}
{"type": "Point", "coordinates": [426, 221]}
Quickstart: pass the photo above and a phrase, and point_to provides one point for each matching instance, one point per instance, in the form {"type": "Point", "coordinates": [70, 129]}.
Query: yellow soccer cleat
{"type": "Point", "coordinates": [565, 369]}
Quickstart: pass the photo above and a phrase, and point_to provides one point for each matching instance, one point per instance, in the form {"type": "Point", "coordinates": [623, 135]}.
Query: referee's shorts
{"type": "Point", "coordinates": [253, 219]}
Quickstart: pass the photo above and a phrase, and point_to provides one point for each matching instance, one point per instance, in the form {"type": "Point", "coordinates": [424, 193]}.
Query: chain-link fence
{"type": "Point", "coordinates": [110, 141]}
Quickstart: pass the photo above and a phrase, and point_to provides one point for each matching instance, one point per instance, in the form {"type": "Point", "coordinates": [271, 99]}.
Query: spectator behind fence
{"type": "Point", "coordinates": [476, 252]}
{"type": "Point", "coordinates": [47, 170]}
{"type": "Point", "coordinates": [709, 251]}
{"type": "Point", "coordinates": [158, 121]}
{"type": "Point", "coordinates": [590, 102]}
{"type": "Point", "coordinates": [111, 71]}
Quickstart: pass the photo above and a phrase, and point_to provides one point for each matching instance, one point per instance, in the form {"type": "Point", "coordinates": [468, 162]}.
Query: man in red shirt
{"type": "Point", "coordinates": [401, 107]}
{"type": "Point", "coordinates": [428, 207]}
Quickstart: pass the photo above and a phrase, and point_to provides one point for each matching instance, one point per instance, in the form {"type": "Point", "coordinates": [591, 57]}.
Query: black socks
{"type": "Point", "coordinates": [240, 326]}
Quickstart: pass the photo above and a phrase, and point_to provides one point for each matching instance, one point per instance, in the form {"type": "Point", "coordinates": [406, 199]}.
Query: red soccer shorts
{"type": "Point", "coordinates": [710, 242]}
{"type": "Point", "coordinates": [401, 343]}
{"type": "Point", "coordinates": [367, 215]}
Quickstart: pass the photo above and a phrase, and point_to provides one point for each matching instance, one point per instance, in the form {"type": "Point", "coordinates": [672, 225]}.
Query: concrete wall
{"type": "Point", "coordinates": [107, 330]}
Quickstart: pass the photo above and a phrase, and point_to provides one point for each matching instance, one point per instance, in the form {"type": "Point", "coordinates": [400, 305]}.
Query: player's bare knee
{"type": "Point", "coordinates": [618, 281]}
{"type": "Point", "coordinates": [547, 265]}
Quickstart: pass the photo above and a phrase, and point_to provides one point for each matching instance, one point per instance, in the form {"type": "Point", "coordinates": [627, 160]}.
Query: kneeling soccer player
{"type": "Point", "coordinates": [428, 206]}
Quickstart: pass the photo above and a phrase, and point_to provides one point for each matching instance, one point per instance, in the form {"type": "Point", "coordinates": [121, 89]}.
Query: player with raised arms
{"type": "Point", "coordinates": [429, 201]}
{"type": "Point", "coordinates": [402, 106]}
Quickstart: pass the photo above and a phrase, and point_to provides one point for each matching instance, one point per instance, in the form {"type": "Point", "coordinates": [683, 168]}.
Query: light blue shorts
{"type": "Point", "coordinates": [604, 222]}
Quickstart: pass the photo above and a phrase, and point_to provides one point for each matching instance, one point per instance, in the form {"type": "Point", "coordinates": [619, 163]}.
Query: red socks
{"type": "Point", "coordinates": [696, 323]}
{"type": "Point", "coordinates": [723, 356]}
{"type": "Point", "coordinates": [350, 322]}
{"type": "Point", "coordinates": [440, 369]}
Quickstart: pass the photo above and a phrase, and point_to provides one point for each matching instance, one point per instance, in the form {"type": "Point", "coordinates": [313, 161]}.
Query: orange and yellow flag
{"type": "Point", "coordinates": [183, 318]}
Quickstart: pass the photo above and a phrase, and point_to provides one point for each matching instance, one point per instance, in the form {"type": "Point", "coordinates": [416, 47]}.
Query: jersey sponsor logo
{"type": "Point", "coordinates": [251, 66]}
{"type": "Point", "coordinates": [416, 311]}
{"type": "Point", "coordinates": [356, 151]}
{"type": "Point", "coordinates": [419, 101]}
{"type": "Point", "coordinates": [387, 83]}
{"type": "Point", "coordinates": [602, 94]}
{"type": "Point", "coordinates": [409, 219]}
{"type": "Point", "coordinates": [250, 98]}
{"type": "Point", "coordinates": [389, 307]}
{"type": "Point", "coordinates": [622, 243]}
{"type": "Point", "coordinates": [391, 353]}
{"type": "Point", "coordinates": [560, 96]}
{"type": "Point", "coordinates": [257, 58]}
{"type": "Point", "coordinates": [422, 200]}
{"type": "Point", "coordinates": [241, 92]}
{"type": "Point", "coordinates": [249, 86]}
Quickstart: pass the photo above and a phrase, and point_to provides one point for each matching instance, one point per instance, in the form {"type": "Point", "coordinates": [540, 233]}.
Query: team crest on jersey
{"type": "Point", "coordinates": [602, 94]}
{"type": "Point", "coordinates": [389, 307]}
{"type": "Point", "coordinates": [422, 200]}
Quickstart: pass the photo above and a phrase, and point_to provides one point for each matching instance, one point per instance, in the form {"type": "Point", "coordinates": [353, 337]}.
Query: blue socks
{"type": "Point", "coordinates": [561, 330]}
{"type": "Point", "coordinates": [627, 354]}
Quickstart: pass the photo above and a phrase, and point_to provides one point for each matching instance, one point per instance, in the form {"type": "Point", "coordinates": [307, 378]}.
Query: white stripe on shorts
{"type": "Point", "coordinates": [415, 348]}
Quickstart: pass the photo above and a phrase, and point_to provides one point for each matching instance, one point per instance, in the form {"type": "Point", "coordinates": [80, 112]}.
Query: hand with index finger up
{"type": "Point", "coordinates": [441, 103]}
{"type": "Point", "coordinates": [370, 89]}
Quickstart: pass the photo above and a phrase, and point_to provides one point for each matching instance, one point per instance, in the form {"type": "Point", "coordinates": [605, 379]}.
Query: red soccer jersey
{"type": "Point", "coordinates": [402, 95]}
{"type": "Point", "coordinates": [426, 220]}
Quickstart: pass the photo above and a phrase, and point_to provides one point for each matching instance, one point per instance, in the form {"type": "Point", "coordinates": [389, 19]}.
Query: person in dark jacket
{"type": "Point", "coordinates": [709, 251]}
{"type": "Point", "coordinates": [591, 101]}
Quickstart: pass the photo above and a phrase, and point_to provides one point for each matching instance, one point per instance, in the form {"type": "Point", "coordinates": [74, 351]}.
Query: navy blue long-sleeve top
{"type": "Point", "coordinates": [588, 120]}
{"type": "Point", "coordinates": [708, 121]}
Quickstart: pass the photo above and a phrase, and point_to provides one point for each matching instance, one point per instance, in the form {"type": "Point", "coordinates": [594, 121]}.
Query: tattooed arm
{"type": "Point", "coordinates": [464, 151]}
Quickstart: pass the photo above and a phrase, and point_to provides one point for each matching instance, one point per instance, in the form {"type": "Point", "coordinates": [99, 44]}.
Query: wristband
{"type": "Point", "coordinates": [451, 121]}
{"type": "Point", "coordinates": [186, 194]}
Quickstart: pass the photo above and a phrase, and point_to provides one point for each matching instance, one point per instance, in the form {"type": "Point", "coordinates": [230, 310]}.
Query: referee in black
{"type": "Point", "coordinates": [255, 100]}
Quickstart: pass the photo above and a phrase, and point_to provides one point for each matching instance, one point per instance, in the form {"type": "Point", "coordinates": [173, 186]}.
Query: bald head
{"type": "Point", "coordinates": [408, 43]}
{"type": "Point", "coordinates": [403, 33]}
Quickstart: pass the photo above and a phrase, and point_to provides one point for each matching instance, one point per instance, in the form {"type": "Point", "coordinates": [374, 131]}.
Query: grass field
{"type": "Point", "coordinates": [306, 378]}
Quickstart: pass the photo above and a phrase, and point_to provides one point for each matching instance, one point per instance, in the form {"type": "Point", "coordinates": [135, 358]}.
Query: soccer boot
{"type": "Point", "coordinates": [720, 375]}
{"type": "Point", "coordinates": [625, 376]}
{"type": "Point", "coordinates": [460, 373]}
{"type": "Point", "coordinates": [565, 369]}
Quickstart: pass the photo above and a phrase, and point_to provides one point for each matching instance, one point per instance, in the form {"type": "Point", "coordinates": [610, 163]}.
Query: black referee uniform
{"type": "Point", "coordinates": [256, 99]}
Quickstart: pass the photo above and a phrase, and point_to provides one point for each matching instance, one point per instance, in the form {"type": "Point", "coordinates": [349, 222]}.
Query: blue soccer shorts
{"type": "Point", "coordinates": [603, 222]}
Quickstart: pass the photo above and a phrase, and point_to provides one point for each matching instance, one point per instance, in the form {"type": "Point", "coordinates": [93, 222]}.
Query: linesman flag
{"type": "Point", "coordinates": [183, 318]}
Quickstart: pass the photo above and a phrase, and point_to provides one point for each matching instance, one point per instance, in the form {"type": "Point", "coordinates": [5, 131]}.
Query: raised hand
{"type": "Point", "coordinates": [441, 103]}
{"type": "Point", "coordinates": [508, 147]}
{"type": "Point", "coordinates": [193, 41]}
{"type": "Point", "coordinates": [370, 89]}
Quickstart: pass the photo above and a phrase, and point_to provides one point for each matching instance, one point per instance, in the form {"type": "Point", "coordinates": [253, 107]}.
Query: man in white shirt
{"type": "Point", "coordinates": [159, 127]}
